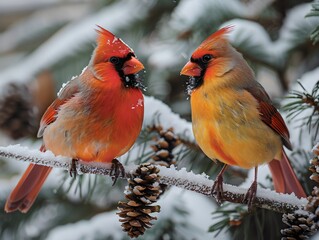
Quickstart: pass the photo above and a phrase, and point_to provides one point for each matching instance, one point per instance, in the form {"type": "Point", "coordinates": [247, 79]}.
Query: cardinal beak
{"type": "Point", "coordinates": [191, 69]}
{"type": "Point", "coordinates": [132, 66]}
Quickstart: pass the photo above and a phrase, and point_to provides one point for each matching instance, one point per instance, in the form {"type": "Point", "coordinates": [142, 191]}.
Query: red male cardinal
{"type": "Point", "coordinates": [233, 118]}
{"type": "Point", "coordinates": [96, 117]}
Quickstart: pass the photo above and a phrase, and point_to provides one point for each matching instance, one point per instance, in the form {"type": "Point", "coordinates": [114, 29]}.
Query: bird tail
{"type": "Point", "coordinates": [28, 188]}
{"type": "Point", "coordinates": [284, 177]}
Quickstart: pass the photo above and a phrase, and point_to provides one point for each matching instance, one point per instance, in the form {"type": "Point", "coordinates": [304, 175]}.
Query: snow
{"type": "Point", "coordinates": [201, 181]}
{"type": "Point", "coordinates": [157, 112]}
{"type": "Point", "coordinates": [263, 177]}
{"type": "Point", "coordinates": [262, 47]}
{"type": "Point", "coordinates": [198, 205]}
{"type": "Point", "coordinates": [74, 36]}
{"type": "Point", "coordinates": [35, 154]}
{"type": "Point", "coordinates": [164, 58]}
{"type": "Point", "coordinates": [168, 54]}
{"type": "Point", "coordinates": [199, 209]}
{"type": "Point", "coordinates": [18, 149]}
{"type": "Point", "coordinates": [38, 25]}
{"type": "Point", "coordinates": [296, 28]}
{"type": "Point", "coordinates": [102, 225]}
{"type": "Point", "coordinates": [11, 165]}
{"type": "Point", "coordinates": [315, 148]}
{"type": "Point", "coordinates": [184, 175]}
{"type": "Point", "coordinates": [65, 84]}
{"type": "Point", "coordinates": [300, 136]}
{"type": "Point", "coordinates": [182, 178]}
{"type": "Point", "coordinates": [140, 103]}
{"type": "Point", "coordinates": [182, 20]}
{"type": "Point", "coordinates": [24, 5]}
{"type": "Point", "coordinates": [242, 31]}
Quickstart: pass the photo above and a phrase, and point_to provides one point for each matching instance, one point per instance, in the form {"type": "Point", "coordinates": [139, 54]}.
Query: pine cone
{"type": "Point", "coordinates": [301, 225]}
{"type": "Point", "coordinates": [313, 202]}
{"type": "Point", "coordinates": [314, 168]}
{"type": "Point", "coordinates": [142, 191]}
{"type": "Point", "coordinates": [164, 147]}
{"type": "Point", "coordinates": [315, 149]}
{"type": "Point", "coordinates": [314, 165]}
{"type": "Point", "coordinates": [17, 115]}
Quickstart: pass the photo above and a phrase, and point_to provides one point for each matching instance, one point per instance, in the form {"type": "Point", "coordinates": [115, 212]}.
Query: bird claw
{"type": "Point", "coordinates": [117, 170]}
{"type": "Point", "coordinates": [250, 196]}
{"type": "Point", "coordinates": [217, 190]}
{"type": "Point", "coordinates": [72, 168]}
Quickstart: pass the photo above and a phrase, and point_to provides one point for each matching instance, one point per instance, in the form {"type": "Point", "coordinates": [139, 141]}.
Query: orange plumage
{"type": "Point", "coordinates": [96, 117]}
{"type": "Point", "coordinates": [233, 118]}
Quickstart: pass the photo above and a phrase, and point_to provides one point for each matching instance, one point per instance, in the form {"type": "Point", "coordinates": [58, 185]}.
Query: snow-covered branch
{"type": "Point", "coordinates": [166, 118]}
{"type": "Point", "coordinates": [114, 17]}
{"type": "Point", "coordinates": [266, 199]}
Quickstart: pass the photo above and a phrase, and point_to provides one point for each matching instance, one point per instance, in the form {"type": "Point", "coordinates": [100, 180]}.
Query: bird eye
{"type": "Point", "coordinates": [206, 58]}
{"type": "Point", "coordinates": [114, 60]}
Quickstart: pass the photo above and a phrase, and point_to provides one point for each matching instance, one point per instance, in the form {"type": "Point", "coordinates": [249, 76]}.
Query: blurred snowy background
{"type": "Point", "coordinates": [44, 43]}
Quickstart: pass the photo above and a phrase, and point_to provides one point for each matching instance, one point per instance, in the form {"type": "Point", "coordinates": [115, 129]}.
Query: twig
{"type": "Point", "coordinates": [200, 183]}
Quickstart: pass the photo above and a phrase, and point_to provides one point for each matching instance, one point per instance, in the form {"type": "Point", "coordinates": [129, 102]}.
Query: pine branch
{"type": "Point", "coordinates": [314, 12]}
{"type": "Point", "coordinates": [266, 199]}
{"type": "Point", "coordinates": [120, 15]}
{"type": "Point", "coordinates": [303, 101]}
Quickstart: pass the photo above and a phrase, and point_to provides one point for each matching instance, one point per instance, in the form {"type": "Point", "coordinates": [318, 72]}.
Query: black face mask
{"type": "Point", "coordinates": [195, 82]}
{"type": "Point", "coordinates": [130, 80]}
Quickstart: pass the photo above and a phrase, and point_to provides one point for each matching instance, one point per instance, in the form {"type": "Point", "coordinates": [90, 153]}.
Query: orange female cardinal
{"type": "Point", "coordinates": [96, 117]}
{"type": "Point", "coordinates": [233, 118]}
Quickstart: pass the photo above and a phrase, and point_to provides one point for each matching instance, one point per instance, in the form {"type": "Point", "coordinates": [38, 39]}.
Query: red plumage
{"type": "Point", "coordinates": [96, 117]}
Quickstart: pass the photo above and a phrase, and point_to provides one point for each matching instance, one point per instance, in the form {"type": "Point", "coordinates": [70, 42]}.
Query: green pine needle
{"type": "Point", "coordinates": [305, 100]}
{"type": "Point", "coordinates": [227, 213]}
{"type": "Point", "coordinates": [314, 12]}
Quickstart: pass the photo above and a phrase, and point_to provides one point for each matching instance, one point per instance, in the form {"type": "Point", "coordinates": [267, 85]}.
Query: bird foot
{"type": "Point", "coordinates": [217, 190]}
{"type": "Point", "coordinates": [72, 168]}
{"type": "Point", "coordinates": [251, 196]}
{"type": "Point", "coordinates": [117, 170]}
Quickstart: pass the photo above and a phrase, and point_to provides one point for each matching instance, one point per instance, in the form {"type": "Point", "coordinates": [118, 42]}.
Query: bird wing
{"type": "Point", "coordinates": [66, 93]}
{"type": "Point", "coordinates": [269, 114]}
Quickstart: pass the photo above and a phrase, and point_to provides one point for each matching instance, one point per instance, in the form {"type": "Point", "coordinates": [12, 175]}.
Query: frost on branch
{"type": "Point", "coordinates": [170, 176]}
{"type": "Point", "coordinates": [167, 118]}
